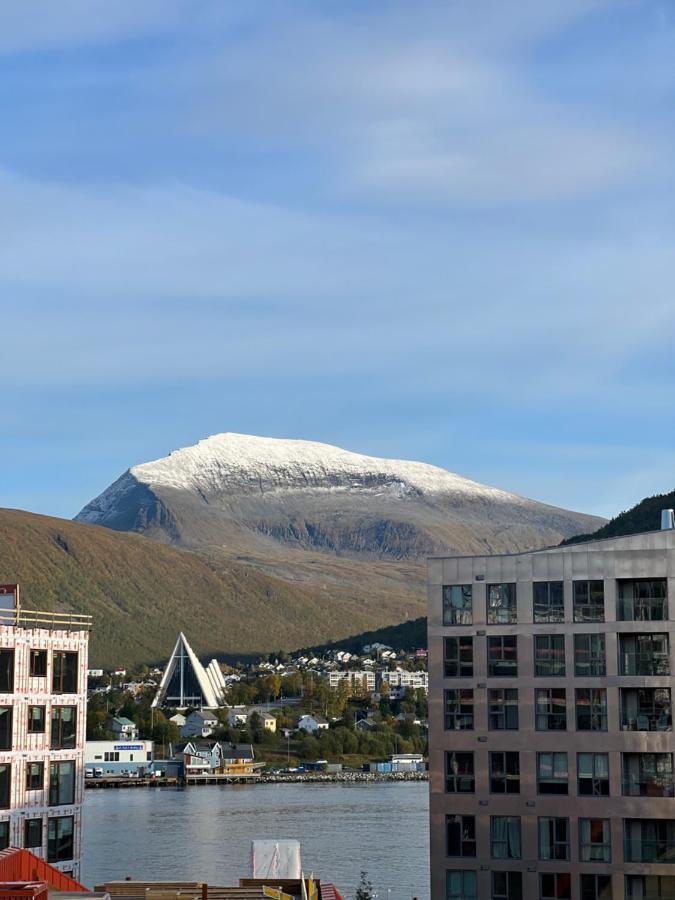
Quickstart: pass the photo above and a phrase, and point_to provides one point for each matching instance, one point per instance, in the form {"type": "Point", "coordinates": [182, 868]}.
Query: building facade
{"type": "Point", "coordinates": [43, 691]}
{"type": "Point", "coordinates": [120, 757]}
{"type": "Point", "coordinates": [551, 744]}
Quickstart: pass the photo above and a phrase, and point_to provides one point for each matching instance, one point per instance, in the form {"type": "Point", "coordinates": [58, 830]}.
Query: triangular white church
{"type": "Point", "coordinates": [186, 683]}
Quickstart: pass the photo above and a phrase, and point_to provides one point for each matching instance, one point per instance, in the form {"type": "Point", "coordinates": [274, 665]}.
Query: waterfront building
{"type": "Point", "coordinates": [551, 743]}
{"type": "Point", "coordinates": [187, 683]}
{"type": "Point", "coordinates": [43, 696]}
{"type": "Point", "coordinates": [104, 758]}
{"type": "Point", "coordinates": [205, 757]}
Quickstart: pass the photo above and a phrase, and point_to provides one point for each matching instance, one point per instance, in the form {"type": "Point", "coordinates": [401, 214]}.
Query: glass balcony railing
{"type": "Point", "coordinates": [653, 787]}
{"type": "Point", "coordinates": [644, 664]}
{"type": "Point", "coordinates": [646, 722]}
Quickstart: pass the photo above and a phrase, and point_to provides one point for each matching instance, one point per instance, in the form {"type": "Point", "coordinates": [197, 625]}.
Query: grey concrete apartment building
{"type": "Point", "coordinates": [551, 743]}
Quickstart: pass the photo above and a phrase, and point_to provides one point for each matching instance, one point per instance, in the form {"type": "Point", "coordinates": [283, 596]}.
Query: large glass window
{"type": "Point", "coordinates": [595, 887]}
{"type": "Point", "coordinates": [642, 600]}
{"type": "Point", "coordinates": [36, 720]}
{"type": "Point", "coordinates": [5, 727]}
{"type": "Point", "coordinates": [555, 886]}
{"type": "Point", "coordinates": [593, 774]}
{"type": "Point", "coordinates": [644, 654]}
{"type": "Point", "coordinates": [549, 654]}
{"type": "Point", "coordinates": [459, 709]}
{"type": "Point", "coordinates": [35, 776]}
{"type": "Point", "coordinates": [460, 884]}
{"type": "Point", "coordinates": [64, 672]}
{"type": "Point", "coordinates": [457, 604]}
{"type": "Point", "coordinates": [591, 709]}
{"type": "Point", "coordinates": [554, 838]}
{"type": "Point", "coordinates": [64, 727]}
{"type": "Point", "coordinates": [5, 785]}
{"type": "Point", "coordinates": [6, 671]}
{"type": "Point", "coordinates": [595, 843]}
{"type": "Point", "coordinates": [505, 772]}
{"type": "Point", "coordinates": [649, 840]}
{"type": "Point", "coordinates": [645, 709]}
{"type": "Point", "coordinates": [458, 657]}
{"type": "Point", "coordinates": [501, 604]}
{"type": "Point", "coordinates": [60, 839]}
{"type": "Point", "coordinates": [32, 833]}
{"type": "Point", "coordinates": [552, 773]}
{"type": "Point", "coordinates": [503, 656]}
{"type": "Point", "coordinates": [503, 709]}
{"type": "Point", "coordinates": [550, 709]}
{"type": "Point", "coordinates": [4, 835]}
{"type": "Point", "coordinates": [589, 655]}
{"type": "Point", "coordinates": [589, 601]}
{"type": "Point", "coordinates": [460, 834]}
{"type": "Point", "coordinates": [548, 601]}
{"type": "Point", "coordinates": [650, 887]}
{"type": "Point", "coordinates": [459, 775]}
{"type": "Point", "coordinates": [647, 775]}
{"type": "Point", "coordinates": [505, 837]}
{"type": "Point", "coordinates": [507, 886]}
{"type": "Point", "coordinates": [61, 783]}
{"type": "Point", "coordinates": [38, 663]}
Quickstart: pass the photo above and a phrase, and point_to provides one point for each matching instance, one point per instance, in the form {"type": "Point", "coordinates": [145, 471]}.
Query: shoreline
{"type": "Point", "coordinates": [272, 778]}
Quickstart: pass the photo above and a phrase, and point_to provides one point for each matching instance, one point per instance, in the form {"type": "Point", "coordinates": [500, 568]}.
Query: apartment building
{"type": "Point", "coordinates": [402, 679]}
{"type": "Point", "coordinates": [551, 743]}
{"type": "Point", "coordinates": [43, 690]}
{"type": "Point", "coordinates": [359, 681]}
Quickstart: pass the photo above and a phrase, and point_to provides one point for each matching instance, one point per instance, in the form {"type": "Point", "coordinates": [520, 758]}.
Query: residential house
{"type": "Point", "coordinates": [366, 724]}
{"type": "Point", "coordinates": [312, 724]}
{"type": "Point", "coordinates": [237, 716]}
{"type": "Point", "coordinates": [124, 729]}
{"type": "Point", "coordinates": [199, 723]}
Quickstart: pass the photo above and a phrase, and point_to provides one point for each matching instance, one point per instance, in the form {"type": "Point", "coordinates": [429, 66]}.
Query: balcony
{"type": "Point", "coordinates": [644, 664]}
{"type": "Point", "coordinates": [54, 621]}
{"type": "Point", "coordinates": [645, 709]}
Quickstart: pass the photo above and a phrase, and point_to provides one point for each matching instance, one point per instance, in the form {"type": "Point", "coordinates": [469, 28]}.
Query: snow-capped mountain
{"type": "Point", "coordinates": [253, 496]}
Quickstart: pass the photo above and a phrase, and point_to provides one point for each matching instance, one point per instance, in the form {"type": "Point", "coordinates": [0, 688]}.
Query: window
{"type": "Point", "coordinates": [554, 838]}
{"type": "Point", "coordinates": [458, 657]}
{"type": "Point", "coordinates": [552, 773]}
{"type": "Point", "coordinates": [596, 887]}
{"type": "Point", "coordinates": [505, 772]}
{"type": "Point", "coordinates": [503, 656]}
{"type": "Point", "coordinates": [654, 887]}
{"type": "Point", "coordinates": [60, 839]}
{"type": "Point", "coordinates": [555, 886]}
{"type": "Point", "coordinates": [647, 775]}
{"type": "Point", "coordinates": [38, 669]}
{"type": "Point", "coordinates": [5, 785]}
{"type": "Point", "coordinates": [644, 654]}
{"type": "Point", "coordinates": [61, 783]}
{"type": "Point", "coordinates": [503, 709]}
{"type": "Point", "coordinates": [591, 709]}
{"type": "Point", "coordinates": [6, 671]}
{"type": "Point", "coordinates": [4, 835]}
{"type": "Point", "coordinates": [460, 885]}
{"type": "Point", "coordinates": [111, 756]}
{"type": "Point", "coordinates": [593, 774]}
{"type": "Point", "coordinates": [32, 833]}
{"type": "Point", "coordinates": [64, 674]}
{"type": "Point", "coordinates": [595, 843]}
{"type": "Point", "coordinates": [458, 604]}
{"type": "Point", "coordinates": [459, 709]}
{"type": "Point", "coordinates": [5, 727]}
{"type": "Point", "coordinates": [642, 600]}
{"type": "Point", "coordinates": [36, 719]}
{"type": "Point", "coordinates": [548, 601]}
{"type": "Point", "coordinates": [507, 886]}
{"type": "Point", "coordinates": [589, 601]}
{"type": "Point", "coordinates": [645, 709]}
{"type": "Point", "coordinates": [501, 604]}
{"type": "Point", "coordinates": [649, 840]}
{"type": "Point", "coordinates": [505, 837]}
{"type": "Point", "coordinates": [549, 654]}
{"type": "Point", "coordinates": [589, 655]}
{"type": "Point", "coordinates": [35, 776]}
{"type": "Point", "coordinates": [550, 709]}
{"type": "Point", "coordinates": [459, 776]}
{"type": "Point", "coordinates": [460, 832]}
{"type": "Point", "coordinates": [64, 724]}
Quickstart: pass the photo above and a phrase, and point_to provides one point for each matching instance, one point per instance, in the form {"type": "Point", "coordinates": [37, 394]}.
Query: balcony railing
{"type": "Point", "coordinates": [644, 722]}
{"type": "Point", "coordinates": [644, 664]}
{"type": "Point", "coordinates": [634, 787]}
{"type": "Point", "coordinates": [54, 621]}
{"type": "Point", "coordinates": [642, 610]}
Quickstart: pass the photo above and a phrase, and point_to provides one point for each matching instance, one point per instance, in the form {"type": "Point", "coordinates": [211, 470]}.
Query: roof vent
{"type": "Point", "coordinates": [667, 519]}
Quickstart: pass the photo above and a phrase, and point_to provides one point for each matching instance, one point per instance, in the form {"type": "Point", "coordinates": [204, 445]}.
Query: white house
{"type": "Point", "coordinates": [237, 716]}
{"type": "Point", "coordinates": [178, 719]}
{"type": "Point", "coordinates": [199, 723]}
{"type": "Point", "coordinates": [124, 728]}
{"type": "Point", "coordinates": [312, 724]}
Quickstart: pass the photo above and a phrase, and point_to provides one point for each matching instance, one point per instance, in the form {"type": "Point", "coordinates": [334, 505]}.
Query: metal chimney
{"type": "Point", "coordinates": [667, 519]}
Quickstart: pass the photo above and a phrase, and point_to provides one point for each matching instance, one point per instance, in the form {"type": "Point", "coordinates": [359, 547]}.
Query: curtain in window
{"type": "Point", "coordinates": [545, 848]}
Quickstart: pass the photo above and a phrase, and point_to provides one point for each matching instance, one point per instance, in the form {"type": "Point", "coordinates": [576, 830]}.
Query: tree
{"type": "Point", "coordinates": [365, 889]}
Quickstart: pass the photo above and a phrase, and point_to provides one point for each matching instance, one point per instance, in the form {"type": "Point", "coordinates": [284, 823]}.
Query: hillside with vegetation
{"type": "Point", "coordinates": [644, 516]}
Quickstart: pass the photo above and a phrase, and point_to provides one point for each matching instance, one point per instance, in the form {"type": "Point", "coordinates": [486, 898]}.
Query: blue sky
{"type": "Point", "coordinates": [441, 231]}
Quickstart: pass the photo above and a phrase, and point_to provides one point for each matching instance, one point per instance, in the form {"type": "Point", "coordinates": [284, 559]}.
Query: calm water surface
{"type": "Point", "coordinates": [206, 833]}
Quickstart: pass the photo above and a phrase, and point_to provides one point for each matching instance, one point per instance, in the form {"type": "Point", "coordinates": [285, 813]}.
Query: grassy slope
{"type": "Point", "coordinates": [644, 516]}
{"type": "Point", "coordinates": [142, 593]}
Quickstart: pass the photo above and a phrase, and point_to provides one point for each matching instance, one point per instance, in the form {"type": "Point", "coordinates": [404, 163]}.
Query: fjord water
{"type": "Point", "coordinates": [205, 833]}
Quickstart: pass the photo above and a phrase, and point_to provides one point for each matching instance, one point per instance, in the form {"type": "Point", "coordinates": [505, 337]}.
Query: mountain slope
{"type": "Point", "coordinates": [141, 594]}
{"type": "Point", "coordinates": [644, 516]}
{"type": "Point", "coordinates": [261, 497]}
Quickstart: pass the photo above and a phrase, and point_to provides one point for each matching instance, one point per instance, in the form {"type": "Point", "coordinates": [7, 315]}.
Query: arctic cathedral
{"type": "Point", "coordinates": [186, 683]}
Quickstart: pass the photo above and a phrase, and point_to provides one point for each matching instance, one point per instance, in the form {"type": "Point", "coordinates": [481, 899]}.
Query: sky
{"type": "Point", "coordinates": [441, 231]}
